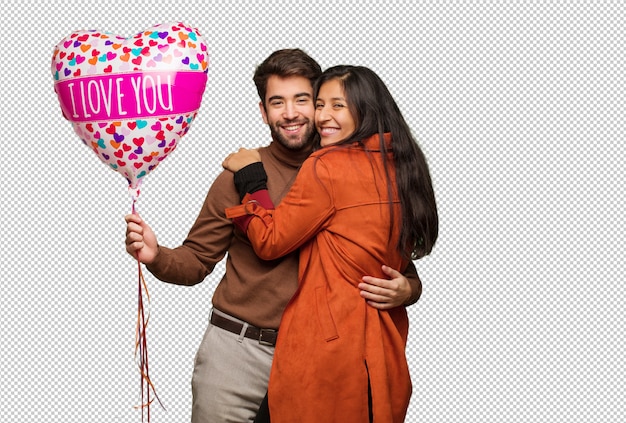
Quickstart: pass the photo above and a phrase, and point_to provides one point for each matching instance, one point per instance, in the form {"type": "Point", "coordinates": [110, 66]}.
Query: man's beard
{"type": "Point", "coordinates": [296, 143]}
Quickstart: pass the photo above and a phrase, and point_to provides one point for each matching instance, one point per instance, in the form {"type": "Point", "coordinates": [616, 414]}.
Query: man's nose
{"type": "Point", "coordinates": [290, 111]}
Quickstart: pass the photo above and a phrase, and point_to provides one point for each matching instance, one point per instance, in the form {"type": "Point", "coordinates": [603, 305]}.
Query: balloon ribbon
{"type": "Point", "coordinates": [141, 346]}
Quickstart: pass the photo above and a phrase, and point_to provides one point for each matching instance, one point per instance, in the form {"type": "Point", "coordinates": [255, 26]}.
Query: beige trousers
{"type": "Point", "coordinates": [230, 376]}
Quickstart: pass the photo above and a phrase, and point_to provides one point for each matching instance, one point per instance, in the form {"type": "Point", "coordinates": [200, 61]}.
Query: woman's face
{"type": "Point", "coordinates": [333, 119]}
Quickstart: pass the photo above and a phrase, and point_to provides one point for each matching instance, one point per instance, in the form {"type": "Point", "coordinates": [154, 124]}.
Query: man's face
{"type": "Point", "coordinates": [289, 111]}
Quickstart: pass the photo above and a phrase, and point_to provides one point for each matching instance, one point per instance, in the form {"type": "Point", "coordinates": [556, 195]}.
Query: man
{"type": "Point", "coordinates": [233, 361]}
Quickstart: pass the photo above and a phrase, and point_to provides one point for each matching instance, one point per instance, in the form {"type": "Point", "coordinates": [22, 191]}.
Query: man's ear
{"type": "Point", "coordinates": [263, 113]}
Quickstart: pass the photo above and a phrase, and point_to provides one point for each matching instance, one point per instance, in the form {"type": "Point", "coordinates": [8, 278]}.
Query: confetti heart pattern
{"type": "Point", "coordinates": [131, 99]}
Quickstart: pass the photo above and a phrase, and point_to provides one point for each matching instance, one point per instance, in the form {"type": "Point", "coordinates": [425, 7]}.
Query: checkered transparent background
{"type": "Point", "coordinates": [519, 107]}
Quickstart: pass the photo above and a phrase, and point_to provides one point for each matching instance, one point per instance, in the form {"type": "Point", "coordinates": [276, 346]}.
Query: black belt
{"type": "Point", "coordinates": [264, 336]}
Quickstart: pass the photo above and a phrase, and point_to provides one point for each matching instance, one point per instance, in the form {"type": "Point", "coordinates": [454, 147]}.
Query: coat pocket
{"type": "Point", "coordinates": [324, 316]}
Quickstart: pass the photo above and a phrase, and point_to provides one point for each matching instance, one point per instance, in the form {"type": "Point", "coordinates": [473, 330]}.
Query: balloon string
{"type": "Point", "coordinates": [141, 346]}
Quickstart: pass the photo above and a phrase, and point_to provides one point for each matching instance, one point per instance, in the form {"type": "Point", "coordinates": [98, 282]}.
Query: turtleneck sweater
{"type": "Point", "coordinates": [251, 289]}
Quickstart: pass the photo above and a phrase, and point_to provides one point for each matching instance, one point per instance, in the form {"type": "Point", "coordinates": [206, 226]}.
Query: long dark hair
{"type": "Point", "coordinates": [375, 112]}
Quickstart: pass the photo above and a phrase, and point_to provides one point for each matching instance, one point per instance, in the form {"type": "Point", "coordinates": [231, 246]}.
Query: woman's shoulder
{"type": "Point", "coordinates": [336, 151]}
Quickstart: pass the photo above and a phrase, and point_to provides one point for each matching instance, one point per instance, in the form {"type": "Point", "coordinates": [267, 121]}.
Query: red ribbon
{"type": "Point", "coordinates": [141, 345]}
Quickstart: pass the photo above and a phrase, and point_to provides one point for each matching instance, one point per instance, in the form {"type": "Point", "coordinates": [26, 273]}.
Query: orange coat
{"type": "Point", "coordinates": [331, 344]}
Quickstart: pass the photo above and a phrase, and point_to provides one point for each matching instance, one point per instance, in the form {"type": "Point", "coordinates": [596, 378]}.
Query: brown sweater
{"type": "Point", "coordinates": [251, 289]}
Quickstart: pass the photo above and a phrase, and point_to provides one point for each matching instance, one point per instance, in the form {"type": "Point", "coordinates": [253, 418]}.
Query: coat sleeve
{"type": "Point", "coordinates": [301, 214]}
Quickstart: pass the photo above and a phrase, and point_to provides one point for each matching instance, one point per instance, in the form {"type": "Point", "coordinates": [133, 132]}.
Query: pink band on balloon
{"type": "Point", "coordinates": [130, 95]}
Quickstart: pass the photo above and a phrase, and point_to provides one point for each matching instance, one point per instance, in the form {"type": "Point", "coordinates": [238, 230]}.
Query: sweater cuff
{"type": "Point", "coordinates": [250, 179]}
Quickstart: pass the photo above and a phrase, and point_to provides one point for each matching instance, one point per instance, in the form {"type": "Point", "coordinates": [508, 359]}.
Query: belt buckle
{"type": "Point", "coordinates": [267, 331]}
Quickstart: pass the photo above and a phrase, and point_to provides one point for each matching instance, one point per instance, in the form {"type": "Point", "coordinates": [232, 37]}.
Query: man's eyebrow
{"type": "Point", "coordinates": [280, 97]}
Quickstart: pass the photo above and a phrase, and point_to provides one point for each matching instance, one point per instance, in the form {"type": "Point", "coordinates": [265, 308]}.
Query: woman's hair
{"type": "Point", "coordinates": [285, 63]}
{"type": "Point", "coordinates": [375, 112]}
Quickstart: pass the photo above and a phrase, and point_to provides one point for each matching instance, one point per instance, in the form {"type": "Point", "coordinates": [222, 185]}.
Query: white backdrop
{"type": "Point", "coordinates": [520, 109]}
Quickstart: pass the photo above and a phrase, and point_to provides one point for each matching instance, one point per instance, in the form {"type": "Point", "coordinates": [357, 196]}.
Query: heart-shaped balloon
{"type": "Point", "coordinates": [131, 99]}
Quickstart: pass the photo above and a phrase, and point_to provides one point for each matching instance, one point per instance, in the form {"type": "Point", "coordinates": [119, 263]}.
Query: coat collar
{"type": "Point", "coordinates": [373, 143]}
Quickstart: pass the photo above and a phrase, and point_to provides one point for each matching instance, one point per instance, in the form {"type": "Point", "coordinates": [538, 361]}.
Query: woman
{"type": "Point", "coordinates": [367, 198]}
